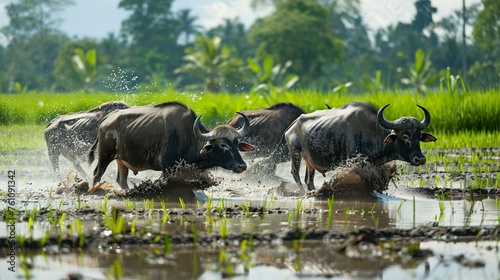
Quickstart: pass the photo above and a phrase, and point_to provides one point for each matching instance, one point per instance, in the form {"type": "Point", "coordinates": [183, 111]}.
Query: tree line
{"type": "Point", "coordinates": [321, 44]}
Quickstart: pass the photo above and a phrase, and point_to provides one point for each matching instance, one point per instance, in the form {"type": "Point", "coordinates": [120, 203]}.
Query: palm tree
{"type": "Point", "coordinates": [187, 24]}
{"type": "Point", "coordinates": [210, 60]}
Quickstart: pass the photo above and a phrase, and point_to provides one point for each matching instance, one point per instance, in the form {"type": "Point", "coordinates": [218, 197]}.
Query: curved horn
{"type": "Point", "coordinates": [427, 118]}
{"type": "Point", "coordinates": [197, 132]}
{"type": "Point", "coordinates": [246, 126]}
{"type": "Point", "coordinates": [382, 121]}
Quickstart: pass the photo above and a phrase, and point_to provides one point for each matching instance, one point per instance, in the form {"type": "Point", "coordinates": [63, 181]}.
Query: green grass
{"type": "Point", "coordinates": [30, 137]}
{"type": "Point", "coordinates": [474, 111]}
{"type": "Point", "coordinates": [468, 120]}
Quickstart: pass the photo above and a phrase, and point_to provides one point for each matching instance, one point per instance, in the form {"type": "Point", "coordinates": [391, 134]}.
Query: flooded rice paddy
{"type": "Point", "coordinates": [437, 221]}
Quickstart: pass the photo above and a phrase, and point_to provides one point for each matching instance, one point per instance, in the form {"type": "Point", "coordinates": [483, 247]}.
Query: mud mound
{"type": "Point", "coordinates": [181, 183]}
{"type": "Point", "coordinates": [360, 179]}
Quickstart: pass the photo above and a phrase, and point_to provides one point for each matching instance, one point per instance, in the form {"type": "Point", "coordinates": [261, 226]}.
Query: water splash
{"type": "Point", "coordinates": [122, 81]}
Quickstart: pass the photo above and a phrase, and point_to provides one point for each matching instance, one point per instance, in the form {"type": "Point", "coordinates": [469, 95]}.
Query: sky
{"type": "Point", "coordinates": [98, 18]}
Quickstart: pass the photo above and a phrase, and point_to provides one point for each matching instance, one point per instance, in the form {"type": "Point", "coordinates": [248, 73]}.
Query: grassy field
{"type": "Point", "coordinates": [474, 111]}
{"type": "Point", "coordinates": [470, 120]}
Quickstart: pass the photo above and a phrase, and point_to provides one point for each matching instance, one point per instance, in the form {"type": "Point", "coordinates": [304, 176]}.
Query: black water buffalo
{"type": "Point", "coordinates": [267, 126]}
{"type": "Point", "coordinates": [72, 135]}
{"type": "Point", "coordinates": [159, 137]}
{"type": "Point", "coordinates": [326, 138]}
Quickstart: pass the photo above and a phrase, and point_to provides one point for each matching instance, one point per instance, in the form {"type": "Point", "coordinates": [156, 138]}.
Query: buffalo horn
{"type": "Point", "coordinates": [246, 126]}
{"type": "Point", "coordinates": [197, 132]}
{"type": "Point", "coordinates": [427, 118]}
{"type": "Point", "coordinates": [382, 121]}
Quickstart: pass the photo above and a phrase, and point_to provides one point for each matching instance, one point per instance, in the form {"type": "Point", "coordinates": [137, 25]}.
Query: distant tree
{"type": "Point", "coordinates": [153, 31]}
{"type": "Point", "coordinates": [270, 77]}
{"type": "Point", "coordinates": [69, 77]}
{"type": "Point", "coordinates": [33, 41]}
{"type": "Point", "coordinates": [487, 36]}
{"type": "Point", "coordinates": [33, 17]}
{"type": "Point", "coordinates": [233, 34]}
{"type": "Point", "coordinates": [358, 55]}
{"type": "Point", "coordinates": [297, 30]}
{"type": "Point", "coordinates": [447, 55]}
{"type": "Point", "coordinates": [212, 62]}
{"type": "Point", "coordinates": [423, 18]}
{"type": "Point", "coordinates": [187, 25]}
{"type": "Point", "coordinates": [420, 74]}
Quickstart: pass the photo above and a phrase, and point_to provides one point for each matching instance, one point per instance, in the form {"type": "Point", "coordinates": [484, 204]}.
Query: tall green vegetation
{"type": "Point", "coordinates": [34, 40]}
{"type": "Point", "coordinates": [487, 35]}
{"type": "Point", "coordinates": [471, 111]}
{"type": "Point", "coordinates": [304, 24]}
{"type": "Point", "coordinates": [326, 43]}
{"type": "Point", "coordinates": [211, 61]}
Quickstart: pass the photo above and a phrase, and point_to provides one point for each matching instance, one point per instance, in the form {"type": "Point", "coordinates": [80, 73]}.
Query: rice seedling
{"type": "Point", "coordinates": [165, 212]}
{"type": "Point", "coordinates": [373, 207]}
{"type": "Point", "coordinates": [183, 205]}
{"type": "Point", "coordinates": [223, 231]}
{"type": "Point", "coordinates": [497, 202]}
{"type": "Point", "coordinates": [330, 202]}
{"type": "Point", "coordinates": [132, 226]}
{"type": "Point", "coordinates": [78, 202]}
{"type": "Point", "coordinates": [79, 230]}
{"type": "Point", "coordinates": [59, 206]}
{"type": "Point", "coordinates": [246, 208]}
{"type": "Point", "coordinates": [221, 206]}
{"type": "Point", "coordinates": [44, 238]}
{"type": "Point", "coordinates": [130, 205]}
{"type": "Point", "coordinates": [210, 223]}
{"type": "Point", "coordinates": [290, 217]}
{"type": "Point", "coordinates": [104, 206]}
{"type": "Point", "coordinates": [299, 208]}
{"type": "Point", "coordinates": [115, 222]}
{"type": "Point", "coordinates": [400, 204]}
{"type": "Point", "coordinates": [209, 205]}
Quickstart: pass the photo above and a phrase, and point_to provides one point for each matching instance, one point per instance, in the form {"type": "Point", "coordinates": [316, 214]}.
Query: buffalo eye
{"type": "Point", "coordinates": [224, 146]}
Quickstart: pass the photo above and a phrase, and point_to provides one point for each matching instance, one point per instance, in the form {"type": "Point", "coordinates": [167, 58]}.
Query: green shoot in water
{"type": "Point", "coordinates": [183, 205]}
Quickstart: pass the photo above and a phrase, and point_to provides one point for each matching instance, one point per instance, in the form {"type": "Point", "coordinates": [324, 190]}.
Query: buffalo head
{"type": "Point", "coordinates": [406, 134]}
{"type": "Point", "coordinates": [222, 145]}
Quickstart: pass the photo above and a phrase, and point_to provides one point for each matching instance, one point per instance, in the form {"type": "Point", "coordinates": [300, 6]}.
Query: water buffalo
{"type": "Point", "coordinates": [159, 137]}
{"type": "Point", "coordinates": [327, 138]}
{"type": "Point", "coordinates": [72, 135]}
{"type": "Point", "coordinates": [267, 126]}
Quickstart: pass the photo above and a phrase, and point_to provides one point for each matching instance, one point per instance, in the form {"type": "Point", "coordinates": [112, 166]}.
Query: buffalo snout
{"type": "Point", "coordinates": [417, 158]}
{"type": "Point", "coordinates": [240, 167]}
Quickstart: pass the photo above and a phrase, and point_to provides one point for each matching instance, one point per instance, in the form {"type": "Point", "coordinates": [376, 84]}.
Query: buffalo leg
{"type": "Point", "coordinates": [296, 167]}
{"type": "Point", "coordinates": [309, 177]}
{"type": "Point", "coordinates": [99, 170]}
{"type": "Point", "coordinates": [122, 175]}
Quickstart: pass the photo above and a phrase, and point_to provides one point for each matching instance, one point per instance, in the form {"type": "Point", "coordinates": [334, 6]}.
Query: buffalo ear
{"type": "Point", "coordinates": [390, 138]}
{"type": "Point", "coordinates": [207, 148]}
{"type": "Point", "coordinates": [427, 137]}
{"type": "Point", "coordinates": [245, 147]}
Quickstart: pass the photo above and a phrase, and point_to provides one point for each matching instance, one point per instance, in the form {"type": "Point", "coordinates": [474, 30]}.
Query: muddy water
{"type": "Point", "coordinates": [406, 232]}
